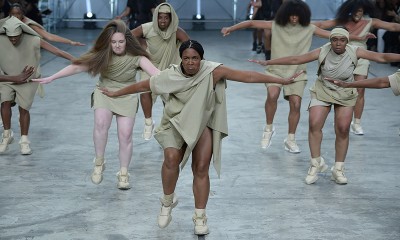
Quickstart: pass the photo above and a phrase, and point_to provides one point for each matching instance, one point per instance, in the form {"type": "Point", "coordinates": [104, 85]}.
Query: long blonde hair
{"type": "Point", "coordinates": [99, 56]}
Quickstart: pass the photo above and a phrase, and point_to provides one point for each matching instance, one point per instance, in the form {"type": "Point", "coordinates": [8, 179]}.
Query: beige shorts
{"type": "Point", "coordinates": [362, 67]}
{"type": "Point", "coordinates": [315, 102]}
{"type": "Point", "coordinates": [22, 94]}
{"type": "Point", "coordinates": [169, 138]}
{"type": "Point", "coordinates": [296, 88]}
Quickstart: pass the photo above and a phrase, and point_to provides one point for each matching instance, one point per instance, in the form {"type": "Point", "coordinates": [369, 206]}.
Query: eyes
{"type": "Point", "coordinates": [115, 42]}
{"type": "Point", "coordinates": [195, 58]}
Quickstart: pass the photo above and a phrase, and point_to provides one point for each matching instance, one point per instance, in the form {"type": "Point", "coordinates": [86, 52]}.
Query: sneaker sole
{"type": "Point", "coordinates": [324, 168]}
{"type": "Point", "coordinates": [123, 187]}
{"type": "Point", "coordinates": [289, 150]}
{"type": "Point", "coordinates": [201, 233]}
{"type": "Point", "coordinates": [12, 140]}
{"type": "Point", "coordinates": [340, 183]}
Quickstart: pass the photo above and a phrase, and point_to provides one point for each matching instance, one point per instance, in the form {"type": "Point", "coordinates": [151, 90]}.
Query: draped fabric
{"type": "Point", "coordinates": [394, 80]}
{"type": "Point", "coordinates": [289, 40]}
{"type": "Point", "coordinates": [339, 67]}
{"type": "Point", "coordinates": [193, 105]}
{"type": "Point", "coordinates": [120, 73]}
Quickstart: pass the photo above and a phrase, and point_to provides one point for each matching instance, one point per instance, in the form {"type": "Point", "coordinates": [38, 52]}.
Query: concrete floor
{"type": "Point", "coordinates": [261, 193]}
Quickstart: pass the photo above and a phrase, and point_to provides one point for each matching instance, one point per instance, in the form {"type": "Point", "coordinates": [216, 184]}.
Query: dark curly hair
{"type": "Point", "coordinates": [293, 8]}
{"type": "Point", "coordinates": [350, 7]}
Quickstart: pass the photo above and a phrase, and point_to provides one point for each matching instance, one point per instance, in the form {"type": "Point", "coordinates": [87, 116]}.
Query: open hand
{"type": "Point", "coordinates": [77, 43]}
{"type": "Point", "coordinates": [293, 77]}
{"type": "Point", "coordinates": [24, 75]}
{"type": "Point", "coordinates": [107, 92]}
{"type": "Point", "coordinates": [261, 62]}
{"type": "Point", "coordinates": [45, 80]}
{"type": "Point", "coordinates": [336, 82]}
{"type": "Point", "coordinates": [225, 31]}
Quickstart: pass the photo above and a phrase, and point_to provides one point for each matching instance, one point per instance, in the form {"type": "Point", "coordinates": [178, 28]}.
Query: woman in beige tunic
{"type": "Point", "coordinates": [337, 60]}
{"type": "Point", "coordinates": [353, 15]}
{"type": "Point", "coordinates": [116, 57]}
{"type": "Point", "coordinates": [162, 38]}
{"type": "Point", "coordinates": [20, 47]}
{"type": "Point", "coordinates": [194, 122]}
{"type": "Point", "coordinates": [17, 11]}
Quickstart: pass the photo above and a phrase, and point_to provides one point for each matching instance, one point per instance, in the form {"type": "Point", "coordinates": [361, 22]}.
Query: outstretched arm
{"type": "Point", "coordinates": [20, 78]}
{"type": "Point", "coordinates": [377, 57]}
{"type": "Point", "coordinates": [247, 24]}
{"type": "Point", "coordinates": [65, 72]}
{"type": "Point", "coordinates": [222, 72]}
{"type": "Point", "coordinates": [142, 86]}
{"type": "Point", "coordinates": [55, 51]}
{"type": "Point", "coordinates": [54, 38]}
{"type": "Point", "coordinates": [325, 34]}
{"type": "Point", "coordinates": [380, 82]}
{"type": "Point", "coordinates": [291, 60]}
{"type": "Point", "coordinates": [389, 26]}
{"type": "Point", "coordinates": [181, 35]}
{"type": "Point", "coordinates": [325, 24]}
{"type": "Point", "coordinates": [148, 67]}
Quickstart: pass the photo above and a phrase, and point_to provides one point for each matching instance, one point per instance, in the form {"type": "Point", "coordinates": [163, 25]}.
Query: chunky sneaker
{"type": "Point", "coordinates": [7, 138]}
{"type": "Point", "coordinates": [99, 167]}
{"type": "Point", "coordinates": [165, 217]}
{"type": "Point", "coordinates": [266, 138]}
{"type": "Point", "coordinates": [123, 181]}
{"type": "Point", "coordinates": [200, 224]}
{"type": "Point", "coordinates": [315, 168]}
{"type": "Point", "coordinates": [356, 128]}
{"type": "Point", "coordinates": [291, 146]}
{"type": "Point", "coordinates": [148, 131]}
{"type": "Point", "coordinates": [24, 145]}
{"type": "Point", "coordinates": [338, 176]}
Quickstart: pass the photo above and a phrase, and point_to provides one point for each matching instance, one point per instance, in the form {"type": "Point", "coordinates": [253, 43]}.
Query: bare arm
{"type": "Point", "coordinates": [377, 57]}
{"type": "Point", "coordinates": [142, 86]}
{"type": "Point", "coordinates": [222, 72]}
{"type": "Point", "coordinates": [137, 32]}
{"type": "Point", "coordinates": [291, 60]}
{"type": "Point", "coordinates": [325, 24]}
{"type": "Point", "coordinates": [148, 67]}
{"type": "Point", "coordinates": [20, 78]}
{"type": "Point", "coordinates": [65, 72]}
{"type": "Point", "coordinates": [325, 34]}
{"type": "Point", "coordinates": [54, 38]}
{"type": "Point", "coordinates": [389, 26]}
{"type": "Point", "coordinates": [247, 24]}
{"type": "Point", "coordinates": [55, 51]}
{"type": "Point", "coordinates": [380, 82]}
{"type": "Point", "coordinates": [181, 35]}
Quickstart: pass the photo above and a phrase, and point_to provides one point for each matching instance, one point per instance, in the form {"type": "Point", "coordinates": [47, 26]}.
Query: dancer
{"type": "Point", "coordinates": [194, 122]}
{"type": "Point", "coordinates": [291, 35]}
{"type": "Point", "coordinates": [115, 56]}
{"type": "Point", "coordinates": [353, 15]}
{"type": "Point", "coordinates": [163, 38]}
{"type": "Point", "coordinates": [17, 11]}
{"type": "Point", "coordinates": [22, 46]}
{"type": "Point", "coordinates": [336, 60]}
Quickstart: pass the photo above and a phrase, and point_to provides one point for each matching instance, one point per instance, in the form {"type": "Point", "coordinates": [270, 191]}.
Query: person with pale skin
{"type": "Point", "coordinates": [16, 11]}
{"type": "Point", "coordinates": [337, 60]}
{"type": "Point", "coordinates": [194, 122]}
{"type": "Point", "coordinates": [115, 57]}
{"type": "Point", "coordinates": [354, 16]}
{"type": "Point", "coordinates": [292, 34]}
{"type": "Point", "coordinates": [22, 46]}
{"type": "Point", "coordinates": [162, 39]}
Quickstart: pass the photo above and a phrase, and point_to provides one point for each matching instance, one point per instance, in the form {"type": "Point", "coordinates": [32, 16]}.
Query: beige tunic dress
{"type": "Point", "coordinates": [394, 80]}
{"type": "Point", "coordinates": [193, 104]}
{"type": "Point", "coordinates": [361, 28]}
{"type": "Point", "coordinates": [162, 45]}
{"type": "Point", "coordinates": [13, 60]}
{"type": "Point", "coordinates": [120, 73]}
{"type": "Point", "coordinates": [339, 67]}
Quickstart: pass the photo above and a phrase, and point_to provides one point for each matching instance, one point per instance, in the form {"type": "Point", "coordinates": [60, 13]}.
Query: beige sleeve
{"type": "Point", "coordinates": [394, 80]}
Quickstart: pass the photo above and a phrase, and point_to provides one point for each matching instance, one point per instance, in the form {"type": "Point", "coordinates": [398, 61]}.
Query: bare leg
{"type": "Point", "coordinates": [146, 102]}
{"type": "Point", "coordinates": [125, 127]}
{"type": "Point", "coordinates": [359, 107]}
{"type": "Point", "coordinates": [24, 120]}
{"type": "Point", "coordinates": [6, 114]}
{"type": "Point", "coordinates": [170, 169]}
{"type": "Point", "coordinates": [317, 118]}
{"type": "Point", "coordinates": [201, 158]}
{"type": "Point", "coordinates": [342, 127]}
{"type": "Point", "coordinates": [271, 104]}
{"type": "Point", "coordinates": [102, 123]}
{"type": "Point", "coordinates": [294, 113]}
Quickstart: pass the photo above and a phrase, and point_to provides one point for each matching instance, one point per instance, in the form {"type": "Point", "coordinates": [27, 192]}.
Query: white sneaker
{"type": "Point", "coordinates": [7, 138]}
{"type": "Point", "coordinates": [99, 167]}
{"type": "Point", "coordinates": [338, 176]}
{"type": "Point", "coordinates": [266, 138]}
{"type": "Point", "coordinates": [315, 168]}
{"type": "Point", "coordinates": [148, 131]}
{"type": "Point", "coordinates": [165, 217]}
{"type": "Point", "coordinates": [291, 146]}
{"type": "Point", "coordinates": [356, 129]}
{"type": "Point", "coordinates": [200, 224]}
{"type": "Point", "coordinates": [24, 145]}
{"type": "Point", "coordinates": [123, 181]}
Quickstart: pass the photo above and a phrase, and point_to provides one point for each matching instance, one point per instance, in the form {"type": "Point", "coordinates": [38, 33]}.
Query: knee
{"type": "Point", "coordinates": [295, 105]}
{"type": "Point", "coordinates": [171, 160]}
{"type": "Point", "coordinates": [201, 169]}
{"type": "Point", "coordinates": [272, 96]}
{"type": "Point", "coordinates": [342, 131]}
{"type": "Point", "coordinates": [6, 104]}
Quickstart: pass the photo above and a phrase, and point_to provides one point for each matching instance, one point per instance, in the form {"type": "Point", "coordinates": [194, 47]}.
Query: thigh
{"type": "Point", "coordinates": [202, 152]}
{"type": "Point", "coordinates": [125, 125]}
{"type": "Point", "coordinates": [343, 117]}
{"type": "Point", "coordinates": [102, 117]}
{"type": "Point", "coordinates": [317, 116]}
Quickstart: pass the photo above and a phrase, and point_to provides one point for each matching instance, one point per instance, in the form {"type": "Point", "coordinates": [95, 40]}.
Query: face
{"type": "Point", "coordinates": [338, 44]}
{"type": "Point", "coordinates": [118, 43]}
{"type": "Point", "coordinates": [294, 20]}
{"type": "Point", "coordinates": [190, 61]}
{"type": "Point", "coordinates": [357, 15]}
{"type": "Point", "coordinates": [15, 39]}
{"type": "Point", "coordinates": [16, 12]}
{"type": "Point", "coordinates": [164, 19]}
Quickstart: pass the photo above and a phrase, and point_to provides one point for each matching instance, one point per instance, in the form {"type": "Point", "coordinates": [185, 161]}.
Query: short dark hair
{"type": "Point", "coordinates": [293, 8]}
{"type": "Point", "coordinates": [191, 44]}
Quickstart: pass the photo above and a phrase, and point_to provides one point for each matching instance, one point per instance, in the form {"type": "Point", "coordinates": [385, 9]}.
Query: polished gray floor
{"type": "Point", "coordinates": [261, 193]}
